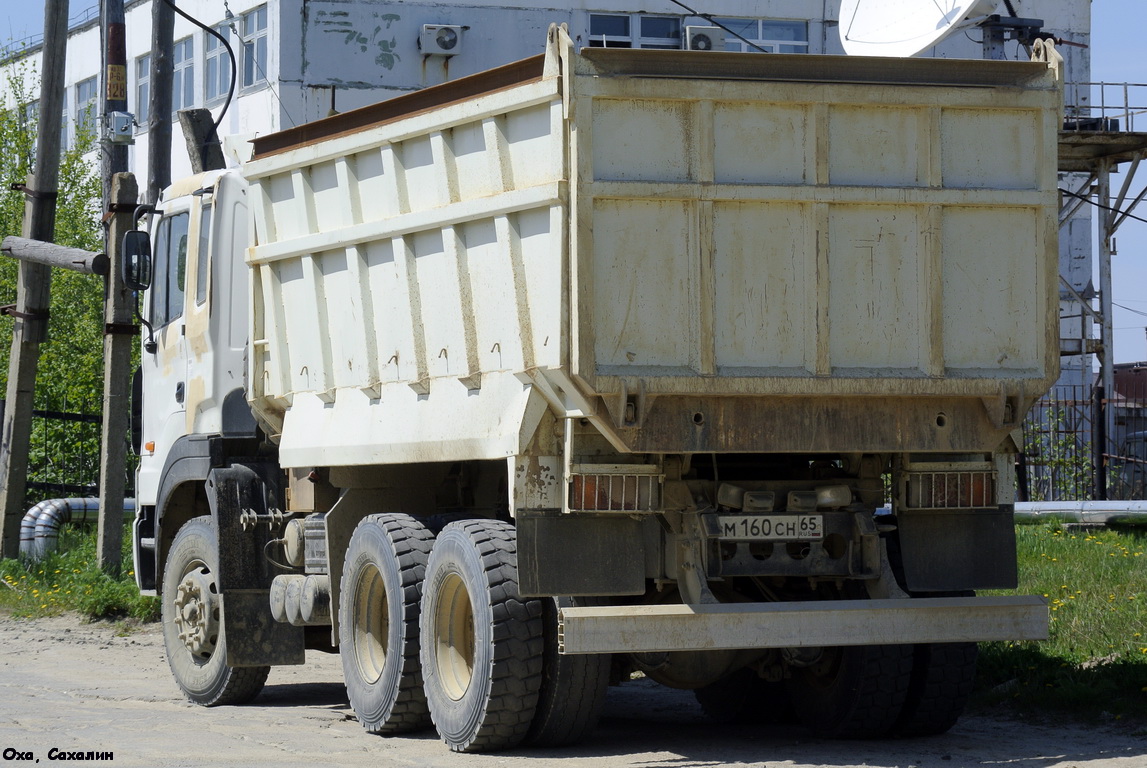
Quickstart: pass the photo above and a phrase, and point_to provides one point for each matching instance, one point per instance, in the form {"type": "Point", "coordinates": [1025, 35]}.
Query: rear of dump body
{"type": "Point", "coordinates": [693, 251]}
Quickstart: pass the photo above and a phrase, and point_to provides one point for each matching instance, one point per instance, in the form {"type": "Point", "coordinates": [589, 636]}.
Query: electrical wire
{"type": "Point", "coordinates": [1129, 309]}
{"type": "Point", "coordinates": [274, 92]}
{"type": "Point", "coordinates": [1089, 201]}
{"type": "Point", "coordinates": [707, 17]}
{"type": "Point", "coordinates": [230, 58]}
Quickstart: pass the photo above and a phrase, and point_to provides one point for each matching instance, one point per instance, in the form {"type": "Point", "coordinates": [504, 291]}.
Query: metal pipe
{"type": "Point", "coordinates": [28, 528]}
{"type": "Point", "coordinates": [1092, 512]}
{"type": "Point", "coordinates": [40, 526]}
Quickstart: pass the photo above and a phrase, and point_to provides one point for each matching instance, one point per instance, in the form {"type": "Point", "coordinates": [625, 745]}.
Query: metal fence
{"type": "Point", "coordinates": [1081, 445]}
{"type": "Point", "coordinates": [64, 455]}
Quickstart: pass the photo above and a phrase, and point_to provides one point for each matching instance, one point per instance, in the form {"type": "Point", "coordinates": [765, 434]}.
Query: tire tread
{"type": "Point", "coordinates": [410, 544]}
{"type": "Point", "coordinates": [942, 678]}
{"type": "Point", "coordinates": [516, 632]}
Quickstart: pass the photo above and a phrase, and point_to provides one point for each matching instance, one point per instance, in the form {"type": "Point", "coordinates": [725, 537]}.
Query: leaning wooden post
{"type": "Point", "coordinates": [119, 336]}
{"type": "Point", "coordinates": [34, 289]}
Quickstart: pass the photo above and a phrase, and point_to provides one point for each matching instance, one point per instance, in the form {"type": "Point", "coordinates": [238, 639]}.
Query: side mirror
{"type": "Point", "coordinates": [136, 254]}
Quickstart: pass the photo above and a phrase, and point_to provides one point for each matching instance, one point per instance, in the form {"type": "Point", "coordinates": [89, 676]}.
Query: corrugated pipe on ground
{"type": "Point", "coordinates": [40, 527]}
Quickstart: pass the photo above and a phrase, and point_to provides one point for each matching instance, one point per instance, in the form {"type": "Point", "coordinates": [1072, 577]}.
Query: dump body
{"type": "Point", "coordinates": [695, 252]}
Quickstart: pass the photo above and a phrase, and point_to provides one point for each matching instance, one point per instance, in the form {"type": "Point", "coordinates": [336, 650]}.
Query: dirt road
{"type": "Point", "coordinates": [76, 687]}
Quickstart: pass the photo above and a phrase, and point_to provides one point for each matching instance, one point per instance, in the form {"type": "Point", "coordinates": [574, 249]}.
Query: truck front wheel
{"type": "Point", "coordinates": [481, 642]}
{"type": "Point", "coordinates": [378, 622]}
{"type": "Point", "coordinates": [192, 610]}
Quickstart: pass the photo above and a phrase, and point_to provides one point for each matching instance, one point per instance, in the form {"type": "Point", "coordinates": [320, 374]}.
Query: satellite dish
{"type": "Point", "coordinates": [904, 27]}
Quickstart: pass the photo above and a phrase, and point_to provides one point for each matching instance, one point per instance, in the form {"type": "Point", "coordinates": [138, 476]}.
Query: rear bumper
{"type": "Point", "coordinates": [646, 628]}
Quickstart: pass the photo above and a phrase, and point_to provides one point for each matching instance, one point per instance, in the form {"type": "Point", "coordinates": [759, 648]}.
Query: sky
{"type": "Point", "coordinates": [1116, 57]}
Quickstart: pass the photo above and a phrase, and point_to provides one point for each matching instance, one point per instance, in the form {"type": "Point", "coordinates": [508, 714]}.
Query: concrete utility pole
{"type": "Point", "coordinates": [159, 107]}
{"type": "Point", "coordinates": [34, 282]}
{"type": "Point", "coordinates": [119, 336]}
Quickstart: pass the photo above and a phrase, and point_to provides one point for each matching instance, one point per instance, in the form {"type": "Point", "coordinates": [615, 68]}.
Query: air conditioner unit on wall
{"type": "Point", "coordinates": [704, 39]}
{"type": "Point", "coordinates": [440, 40]}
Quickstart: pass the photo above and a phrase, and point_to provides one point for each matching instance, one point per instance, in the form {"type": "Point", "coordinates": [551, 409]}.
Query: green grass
{"type": "Point", "coordinates": [70, 579]}
{"type": "Point", "coordinates": [1095, 663]}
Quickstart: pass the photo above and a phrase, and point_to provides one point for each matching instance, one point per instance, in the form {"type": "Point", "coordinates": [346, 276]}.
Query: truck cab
{"type": "Point", "coordinates": [193, 361]}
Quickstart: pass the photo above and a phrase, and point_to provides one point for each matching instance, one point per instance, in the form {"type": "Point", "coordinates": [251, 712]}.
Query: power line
{"type": "Point", "coordinates": [1129, 309]}
{"type": "Point", "coordinates": [1089, 201]}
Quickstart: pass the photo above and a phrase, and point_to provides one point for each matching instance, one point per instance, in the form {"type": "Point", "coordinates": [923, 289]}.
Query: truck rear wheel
{"type": "Point", "coordinates": [744, 697]}
{"type": "Point", "coordinates": [192, 610]}
{"type": "Point", "coordinates": [378, 622]}
{"type": "Point", "coordinates": [942, 679]}
{"type": "Point", "coordinates": [481, 642]}
{"type": "Point", "coordinates": [852, 692]}
{"type": "Point", "coordinates": [573, 686]}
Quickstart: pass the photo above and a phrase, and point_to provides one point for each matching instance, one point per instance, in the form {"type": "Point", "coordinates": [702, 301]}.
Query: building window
{"type": "Point", "coordinates": [634, 30]}
{"type": "Point", "coordinates": [217, 65]}
{"type": "Point", "coordinates": [142, 89]}
{"type": "Point", "coordinates": [182, 76]}
{"type": "Point", "coordinates": [86, 91]}
{"type": "Point", "coordinates": [64, 123]}
{"type": "Point", "coordinates": [255, 47]}
{"type": "Point", "coordinates": [29, 115]}
{"type": "Point", "coordinates": [772, 35]}
{"type": "Point", "coordinates": [607, 30]}
{"type": "Point", "coordinates": [659, 32]}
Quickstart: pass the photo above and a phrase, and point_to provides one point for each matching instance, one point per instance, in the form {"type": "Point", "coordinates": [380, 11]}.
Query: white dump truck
{"type": "Point", "coordinates": [607, 362]}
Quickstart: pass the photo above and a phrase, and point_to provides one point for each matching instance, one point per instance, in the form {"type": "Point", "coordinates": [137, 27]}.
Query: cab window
{"type": "Point", "coordinates": [170, 269]}
{"type": "Point", "coordinates": [204, 249]}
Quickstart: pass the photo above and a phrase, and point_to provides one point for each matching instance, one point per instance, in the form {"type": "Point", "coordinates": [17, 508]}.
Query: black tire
{"type": "Point", "coordinates": [192, 607]}
{"type": "Point", "coordinates": [380, 595]}
{"type": "Point", "coordinates": [942, 679]}
{"type": "Point", "coordinates": [481, 642]}
{"type": "Point", "coordinates": [745, 698]}
{"type": "Point", "coordinates": [573, 686]}
{"type": "Point", "coordinates": [853, 692]}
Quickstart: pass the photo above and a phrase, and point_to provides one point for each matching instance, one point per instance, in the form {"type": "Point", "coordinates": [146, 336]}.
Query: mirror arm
{"type": "Point", "coordinates": [150, 346]}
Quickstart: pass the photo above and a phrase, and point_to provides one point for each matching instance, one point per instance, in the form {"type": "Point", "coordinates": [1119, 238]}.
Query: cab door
{"type": "Point", "coordinates": [164, 370]}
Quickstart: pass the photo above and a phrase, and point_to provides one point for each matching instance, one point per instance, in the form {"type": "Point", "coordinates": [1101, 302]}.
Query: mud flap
{"type": "Point", "coordinates": [958, 550]}
{"type": "Point", "coordinates": [252, 635]}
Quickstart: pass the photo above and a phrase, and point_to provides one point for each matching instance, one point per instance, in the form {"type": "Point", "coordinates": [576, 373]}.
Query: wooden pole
{"type": "Point", "coordinates": [75, 259]}
{"type": "Point", "coordinates": [159, 107]}
{"type": "Point", "coordinates": [114, 34]}
{"type": "Point", "coordinates": [33, 291]}
{"type": "Point", "coordinates": [119, 336]}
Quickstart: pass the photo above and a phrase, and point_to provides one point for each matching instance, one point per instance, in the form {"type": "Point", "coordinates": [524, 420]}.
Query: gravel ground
{"type": "Point", "coordinates": [77, 687]}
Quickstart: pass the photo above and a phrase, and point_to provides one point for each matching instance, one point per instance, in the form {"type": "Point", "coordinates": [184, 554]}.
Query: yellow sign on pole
{"type": "Point", "coordinates": [117, 82]}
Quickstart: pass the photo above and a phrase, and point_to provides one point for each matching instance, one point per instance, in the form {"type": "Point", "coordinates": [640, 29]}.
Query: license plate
{"type": "Point", "coordinates": [771, 527]}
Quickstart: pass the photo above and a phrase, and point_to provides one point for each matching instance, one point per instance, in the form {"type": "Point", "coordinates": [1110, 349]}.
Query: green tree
{"type": "Point", "coordinates": [70, 376]}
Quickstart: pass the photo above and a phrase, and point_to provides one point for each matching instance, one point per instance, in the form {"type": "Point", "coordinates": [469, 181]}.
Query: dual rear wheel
{"type": "Point", "coordinates": [440, 634]}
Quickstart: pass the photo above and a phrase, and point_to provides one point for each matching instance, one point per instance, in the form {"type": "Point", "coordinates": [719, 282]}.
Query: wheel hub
{"type": "Point", "coordinates": [197, 612]}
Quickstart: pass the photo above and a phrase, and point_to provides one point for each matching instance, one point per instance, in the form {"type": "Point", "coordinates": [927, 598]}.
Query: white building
{"type": "Point", "coordinates": [298, 59]}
